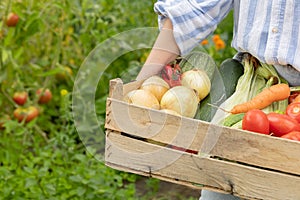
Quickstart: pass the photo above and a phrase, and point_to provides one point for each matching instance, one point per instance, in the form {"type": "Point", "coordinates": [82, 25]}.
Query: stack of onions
{"type": "Point", "coordinates": [198, 80]}
{"type": "Point", "coordinates": [180, 100]}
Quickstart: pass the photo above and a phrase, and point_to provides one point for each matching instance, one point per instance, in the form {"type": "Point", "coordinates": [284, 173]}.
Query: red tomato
{"type": "Point", "coordinates": [44, 95]}
{"type": "Point", "coordinates": [297, 98]}
{"type": "Point", "coordinates": [12, 19]}
{"type": "Point", "coordinates": [294, 135]}
{"type": "Point", "coordinates": [20, 98]}
{"type": "Point", "coordinates": [26, 114]}
{"type": "Point", "coordinates": [293, 96]}
{"type": "Point", "coordinates": [256, 120]}
{"type": "Point", "coordinates": [281, 124]}
{"type": "Point", "coordinates": [293, 110]}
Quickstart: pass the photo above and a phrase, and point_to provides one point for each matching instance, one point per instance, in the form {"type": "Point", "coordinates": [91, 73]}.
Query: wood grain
{"type": "Point", "coordinates": [247, 182]}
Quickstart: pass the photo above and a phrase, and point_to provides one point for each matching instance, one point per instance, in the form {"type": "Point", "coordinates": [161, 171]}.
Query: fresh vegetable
{"type": "Point", "coordinates": [297, 98]}
{"type": "Point", "coordinates": [181, 99]}
{"type": "Point", "coordinates": [172, 112]}
{"type": "Point", "coordinates": [263, 99]}
{"type": "Point", "coordinates": [20, 98]}
{"type": "Point", "coordinates": [44, 95]}
{"type": "Point", "coordinates": [26, 114]}
{"type": "Point", "coordinates": [142, 98]}
{"type": "Point", "coordinates": [294, 135]}
{"type": "Point", "coordinates": [231, 70]}
{"type": "Point", "coordinates": [293, 96]}
{"type": "Point", "coordinates": [281, 124]}
{"type": "Point", "coordinates": [171, 73]}
{"type": "Point", "coordinates": [241, 93]}
{"type": "Point", "coordinates": [198, 60]}
{"type": "Point", "coordinates": [198, 80]}
{"type": "Point", "coordinates": [12, 19]}
{"type": "Point", "coordinates": [216, 96]}
{"type": "Point", "coordinates": [293, 110]}
{"type": "Point", "coordinates": [233, 119]}
{"type": "Point", "coordinates": [156, 85]}
{"type": "Point", "coordinates": [257, 121]}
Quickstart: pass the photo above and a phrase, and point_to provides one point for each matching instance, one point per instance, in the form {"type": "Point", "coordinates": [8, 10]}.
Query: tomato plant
{"type": "Point", "coordinates": [281, 124]}
{"type": "Point", "coordinates": [256, 120]}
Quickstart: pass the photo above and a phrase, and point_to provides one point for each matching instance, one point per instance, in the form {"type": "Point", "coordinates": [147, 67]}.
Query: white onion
{"type": "Point", "coordinates": [198, 80]}
{"type": "Point", "coordinates": [156, 85]}
{"type": "Point", "coordinates": [171, 112]}
{"type": "Point", "coordinates": [181, 99]}
{"type": "Point", "coordinates": [142, 98]}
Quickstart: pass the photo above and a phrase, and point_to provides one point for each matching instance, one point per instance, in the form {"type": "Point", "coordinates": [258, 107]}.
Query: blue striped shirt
{"type": "Point", "coordinates": [267, 29]}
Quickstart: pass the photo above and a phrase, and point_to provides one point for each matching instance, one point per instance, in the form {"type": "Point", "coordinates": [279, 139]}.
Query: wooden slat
{"type": "Point", "coordinates": [241, 180]}
{"type": "Point", "coordinates": [154, 124]}
{"type": "Point", "coordinates": [234, 144]}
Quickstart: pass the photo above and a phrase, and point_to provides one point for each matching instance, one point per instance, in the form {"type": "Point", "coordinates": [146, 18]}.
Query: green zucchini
{"type": "Point", "coordinates": [224, 82]}
{"type": "Point", "coordinates": [233, 119]}
{"type": "Point", "coordinates": [198, 60]}
{"type": "Point", "coordinates": [231, 70]}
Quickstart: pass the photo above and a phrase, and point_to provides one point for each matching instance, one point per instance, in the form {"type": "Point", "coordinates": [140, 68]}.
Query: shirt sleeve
{"type": "Point", "coordinates": [192, 20]}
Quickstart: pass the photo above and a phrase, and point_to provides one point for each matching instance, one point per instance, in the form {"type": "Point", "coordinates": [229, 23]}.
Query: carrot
{"type": "Point", "coordinates": [265, 98]}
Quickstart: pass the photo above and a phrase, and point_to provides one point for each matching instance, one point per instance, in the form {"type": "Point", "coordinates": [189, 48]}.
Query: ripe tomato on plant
{"type": "Point", "coordinates": [26, 114]}
{"type": "Point", "coordinates": [256, 120]}
{"type": "Point", "coordinates": [281, 124]}
{"type": "Point", "coordinates": [294, 135]}
{"type": "Point", "coordinates": [20, 98]}
{"type": "Point", "coordinates": [12, 19]}
{"type": "Point", "coordinates": [44, 95]}
{"type": "Point", "coordinates": [293, 110]}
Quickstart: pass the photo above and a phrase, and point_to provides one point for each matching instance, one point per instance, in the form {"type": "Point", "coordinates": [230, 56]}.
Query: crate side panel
{"type": "Point", "coordinates": [258, 149]}
{"type": "Point", "coordinates": [155, 125]}
{"type": "Point", "coordinates": [244, 181]}
{"type": "Point", "coordinates": [233, 144]}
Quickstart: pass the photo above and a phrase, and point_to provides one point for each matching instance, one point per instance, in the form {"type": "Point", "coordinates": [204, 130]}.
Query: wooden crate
{"type": "Point", "coordinates": [246, 164]}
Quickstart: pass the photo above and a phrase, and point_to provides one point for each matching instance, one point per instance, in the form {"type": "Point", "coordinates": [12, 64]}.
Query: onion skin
{"type": "Point", "coordinates": [171, 112]}
{"type": "Point", "coordinates": [143, 98]}
{"type": "Point", "coordinates": [198, 80]}
{"type": "Point", "coordinates": [181, 99]}
{"type": "Point", "coordinates": [156, 85]}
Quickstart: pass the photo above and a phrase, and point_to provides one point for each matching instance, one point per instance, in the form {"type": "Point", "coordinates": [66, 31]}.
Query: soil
{"type": "Point", "coordinates": [166, 191]}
